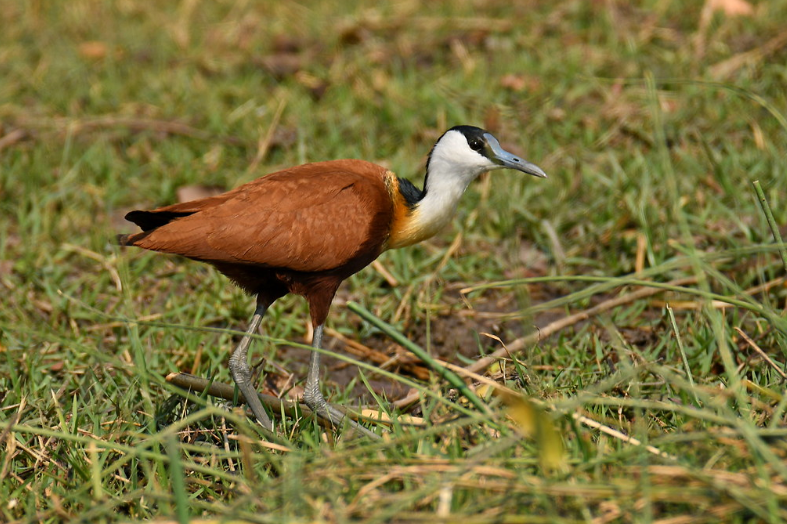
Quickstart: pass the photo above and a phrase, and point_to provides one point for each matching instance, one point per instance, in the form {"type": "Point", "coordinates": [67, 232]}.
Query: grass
{"type": "Point", "coordinates": [653, 120]}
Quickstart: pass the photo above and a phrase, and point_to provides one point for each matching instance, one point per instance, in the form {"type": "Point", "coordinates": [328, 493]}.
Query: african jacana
{"type": "Point", "coordinates": [306, 229]}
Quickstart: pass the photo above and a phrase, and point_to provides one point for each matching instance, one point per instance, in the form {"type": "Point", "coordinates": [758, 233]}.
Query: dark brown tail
{"type": "Point", "coordinates": [149, 220]}
{"type": "Point", "coordinates": [123, 240]}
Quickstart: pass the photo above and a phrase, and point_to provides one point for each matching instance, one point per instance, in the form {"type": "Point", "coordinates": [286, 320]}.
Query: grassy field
{"type": "Point", "coordinates": [639, 290]}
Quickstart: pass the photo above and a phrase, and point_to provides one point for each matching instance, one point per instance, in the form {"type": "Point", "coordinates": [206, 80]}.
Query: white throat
{"type": "Point", "coordinates": [452, 166]}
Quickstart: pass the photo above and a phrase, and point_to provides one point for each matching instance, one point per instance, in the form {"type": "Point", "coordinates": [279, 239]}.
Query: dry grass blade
{"type": "Point", "coordinates": [406, 361]}
{"type": "Point", "coordinates": [264, 143]}
{"type": "Point", "coordinates": [17, 135]}
{"type": "Point", "coordinates": [762, 353]}
{"type": "Point", "coordinates": [380, 268]}
{"type": "Point", "coordinates": [620, 436]}
{"type": "Point", "coordinates": [554, 327]}
{"type": "Point", "coordinates": [730, 66]}
{"type": "Point", "coordinates": [107, 265]}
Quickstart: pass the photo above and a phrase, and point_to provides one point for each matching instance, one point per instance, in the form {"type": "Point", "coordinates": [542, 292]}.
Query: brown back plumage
{"type": "Point", "coordinates": [302, 230]}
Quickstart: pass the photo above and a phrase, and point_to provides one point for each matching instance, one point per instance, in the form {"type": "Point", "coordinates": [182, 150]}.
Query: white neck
{"type": "Point", "coordinates": [445, 185]}
{"type": "Point", "coordinates": [452, 166]}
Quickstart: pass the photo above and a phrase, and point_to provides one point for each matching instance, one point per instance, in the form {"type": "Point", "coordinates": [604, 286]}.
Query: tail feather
{"type": "Point", "coordinates": [148, 220]}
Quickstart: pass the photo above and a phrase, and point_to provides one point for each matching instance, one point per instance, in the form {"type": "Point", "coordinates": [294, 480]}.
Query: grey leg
{"type": "Point", "coordinates": [313, 397]}
{"type": "Point", "coordinates": [241, 374]}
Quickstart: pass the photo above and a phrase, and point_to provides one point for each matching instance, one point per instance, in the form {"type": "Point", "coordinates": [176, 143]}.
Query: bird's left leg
{"type": "Point", "coordinates": [241, 374]}
{"type": "Point", "coordinates": [314, 398]}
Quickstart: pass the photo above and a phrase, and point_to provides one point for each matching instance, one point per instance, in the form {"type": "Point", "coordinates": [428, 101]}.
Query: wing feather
{"type": "Point", "coordinates": [315, 217]}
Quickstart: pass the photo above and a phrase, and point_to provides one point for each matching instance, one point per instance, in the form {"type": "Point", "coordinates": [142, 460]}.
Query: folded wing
{"type": "Point", "coordinates": [316, 217]}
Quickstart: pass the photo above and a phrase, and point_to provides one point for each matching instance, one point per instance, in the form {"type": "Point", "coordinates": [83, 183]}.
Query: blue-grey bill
{"type": "Point", "coordinates": [506, 159]}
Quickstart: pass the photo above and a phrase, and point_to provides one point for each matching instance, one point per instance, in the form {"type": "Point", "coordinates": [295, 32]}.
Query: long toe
{"type": "Point", "coordinates": [337, 419]}
{"type": "Point", "coordinates": [242, 378]}
{"type": "Point", "coordinates": [254, 403]}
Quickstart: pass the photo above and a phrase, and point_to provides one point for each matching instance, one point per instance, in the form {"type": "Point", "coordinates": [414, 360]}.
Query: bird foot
{"type": "Point", "coordinates": [336, 417]}
{"type": "Point", "coordinates": [242, 378]}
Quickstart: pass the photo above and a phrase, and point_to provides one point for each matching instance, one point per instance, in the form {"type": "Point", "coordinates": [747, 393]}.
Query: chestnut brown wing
{"type": "Point", "coordinates": [316, 217]}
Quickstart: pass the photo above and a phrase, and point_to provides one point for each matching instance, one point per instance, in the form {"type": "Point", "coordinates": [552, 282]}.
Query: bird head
{"type": "Point", "coordinates": [466, 152]}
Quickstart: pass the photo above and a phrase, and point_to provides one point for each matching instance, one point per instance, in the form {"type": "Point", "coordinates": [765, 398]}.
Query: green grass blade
{"type": "Point", "coordinates": [448, 375]}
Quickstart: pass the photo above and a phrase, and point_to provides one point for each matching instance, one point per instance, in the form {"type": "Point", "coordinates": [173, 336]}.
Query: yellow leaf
{"type": "Point", "coordinates": [533, 422]}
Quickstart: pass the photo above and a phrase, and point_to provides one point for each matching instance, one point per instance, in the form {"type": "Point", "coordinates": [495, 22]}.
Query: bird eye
{"type": "Point", "coordinates": [476, 144]}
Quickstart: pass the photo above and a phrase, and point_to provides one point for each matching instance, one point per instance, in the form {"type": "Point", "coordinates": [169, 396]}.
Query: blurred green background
{"type": "Point", "coordinates": [652, 119]}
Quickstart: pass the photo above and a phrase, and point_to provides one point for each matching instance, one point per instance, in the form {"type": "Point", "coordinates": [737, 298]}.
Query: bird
{"type": "Point", "coordinates": [306, 229]}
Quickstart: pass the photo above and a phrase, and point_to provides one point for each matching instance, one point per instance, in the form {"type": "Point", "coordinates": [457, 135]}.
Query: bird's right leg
{"type": "Point", "coordinates": [313, 396]}
{"type": "Point", "coordinates": [241, 374]}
